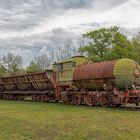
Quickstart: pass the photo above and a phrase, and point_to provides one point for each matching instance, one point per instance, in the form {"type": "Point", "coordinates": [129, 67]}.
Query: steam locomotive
{"type": "Point", "coordinates": [78, 81]}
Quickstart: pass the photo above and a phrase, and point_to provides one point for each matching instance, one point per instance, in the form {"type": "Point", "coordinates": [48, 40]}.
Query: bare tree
{"type": "Point", "coordinates": [81, 41]}
{"type": "Point", "coordinates": [70, 48]}
{"type": "Point", "coordinates": [57, 54]}
{"type": "Point", "coordinates": [62, 52]}
{"type": "Point", "coordinates": [52, 55]}
{"type": "Point", "coordinates": [42, 62]}
{"type": "Point", "coordinates": [13, 63]}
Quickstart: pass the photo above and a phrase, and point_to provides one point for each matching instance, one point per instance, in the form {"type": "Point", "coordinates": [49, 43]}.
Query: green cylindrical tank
{"type": "Point", "coordinates": [117, 73]}
{"type": "Point", "coordinates": [126, 72]}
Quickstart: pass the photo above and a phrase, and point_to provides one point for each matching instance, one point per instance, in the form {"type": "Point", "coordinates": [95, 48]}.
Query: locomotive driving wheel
{"type": "Point", "coordinates": [103, 101]}
{"type": "Point", "coordinates": [90, 100]}
{"type": "Point", "coordinates": [77, 99]}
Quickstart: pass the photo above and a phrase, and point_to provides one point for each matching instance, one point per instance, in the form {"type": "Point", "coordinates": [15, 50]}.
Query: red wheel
{"type": "Point", "coordinates": [90, 100]}
{"type": "Point", "coordinates": [103, 101]}
{"type": "Point", "coordinates": [46, 99]}
{"type": "Point", "coordinates": [38, 98]}
{"type": "Point", "coordinates": [77, 100]}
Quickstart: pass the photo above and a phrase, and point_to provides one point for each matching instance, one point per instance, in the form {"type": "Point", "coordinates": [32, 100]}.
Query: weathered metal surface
{"type": "Point", "coordinates": [94, 75]}
{"type": "Point", "coordinates": [1, 85]}
{"type": "Point", "coordinates": [104, 75]}
{"type": "Point", "coordinates": [22, 82]}
{"type": "Point", "coordinates": [94, 71]}
{"type": "Point", "coordinates": [8, 83]}
{"type": "Point", "coordinates": [64, 69]}
{"type": "Point", "coordinates": [126, 73]}
{"type": "Point", "coordinates": [32, 81]}
{"type": "Point", "coordinates": [40, 81]}
{"type": "Point", "coordinates": [95, 82]}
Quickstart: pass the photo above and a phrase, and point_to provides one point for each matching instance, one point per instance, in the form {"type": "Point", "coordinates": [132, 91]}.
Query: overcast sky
{"type": "Point", "coordinates": [31, 27]}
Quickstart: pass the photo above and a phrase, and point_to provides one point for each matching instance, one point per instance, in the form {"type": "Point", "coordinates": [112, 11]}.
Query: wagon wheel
{"type": "Point", "coordinates": [33, 98]}
{"type": "Point", "coordinates": [90, 100]}
{"type": "Point", "coordinates": [38, 98]}
{"type": "Point", "coordinates": [42, 98]}
{"type": "Point", "coordinates": [11, 97]}
{"type": "Point", "coordinates": [46, 98]}
{"type": "Point", "coordinates": [77, 100]}
{"type": "Point", "coordinates": [4, 97]}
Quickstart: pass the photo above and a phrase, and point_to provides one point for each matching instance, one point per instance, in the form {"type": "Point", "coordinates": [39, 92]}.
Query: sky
{"type": "Point", "coordinates": [32, 27]}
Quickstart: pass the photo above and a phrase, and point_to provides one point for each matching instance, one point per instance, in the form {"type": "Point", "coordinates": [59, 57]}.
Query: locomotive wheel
{"type": "Point", "coordinates": [89, 100]}
{"type": "Point", "coordinates": [103, 101]}
{"type": "Point", "coordinates": [43, 97]}
{"type": "Point", "coordinates": [77, 100]}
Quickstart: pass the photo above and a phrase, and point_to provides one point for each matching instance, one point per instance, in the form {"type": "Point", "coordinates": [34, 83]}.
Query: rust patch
{"type": "Point", "coordinates": [101, 70]}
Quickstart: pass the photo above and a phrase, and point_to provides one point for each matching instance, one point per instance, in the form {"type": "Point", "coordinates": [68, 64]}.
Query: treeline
{"type": "Point", "coordinates": [13, 64]}
{"type": "Point", "coordinates": [109, 43]}
{"type": "Point", "coordinates": [98, 45]}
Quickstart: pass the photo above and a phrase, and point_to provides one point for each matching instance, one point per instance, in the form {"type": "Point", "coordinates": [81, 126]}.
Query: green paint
{"type": "Point", "coordinates": [124, 70]}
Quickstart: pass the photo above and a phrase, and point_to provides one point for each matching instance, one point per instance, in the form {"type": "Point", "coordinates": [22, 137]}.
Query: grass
{"type": "Point", "coordinates": [51, 121]}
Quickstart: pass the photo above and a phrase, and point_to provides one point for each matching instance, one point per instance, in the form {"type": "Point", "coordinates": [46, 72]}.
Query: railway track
{"type": "Point", "coordinates": [128, 107]}
{"type": "Point", "coordinates": [132, 108]}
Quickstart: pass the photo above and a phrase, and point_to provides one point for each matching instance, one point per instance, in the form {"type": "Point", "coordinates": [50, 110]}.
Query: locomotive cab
{"type": "Point", "coordinates": [64, 70]}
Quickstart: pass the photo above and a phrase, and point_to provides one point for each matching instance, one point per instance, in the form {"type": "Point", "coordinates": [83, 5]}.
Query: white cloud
{"type": "Point", "coordinates": [30, 27]}
{"type": "Point", "coordinates": [126, 15]}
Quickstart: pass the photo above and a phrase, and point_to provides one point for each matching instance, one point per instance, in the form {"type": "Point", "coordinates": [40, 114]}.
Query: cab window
{"type": "Point", "coordinates": [60, 66]}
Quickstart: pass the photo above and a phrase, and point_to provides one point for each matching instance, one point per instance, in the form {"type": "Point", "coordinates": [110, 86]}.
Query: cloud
{"type": "Point", "coordinates": [37, 44]}
{"type": "Point", "coordinates": [27, 17]}
{"type": "Point", "coordinates": [124, 15]}
{"type": "Point", "coordinates": [32, 27]}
